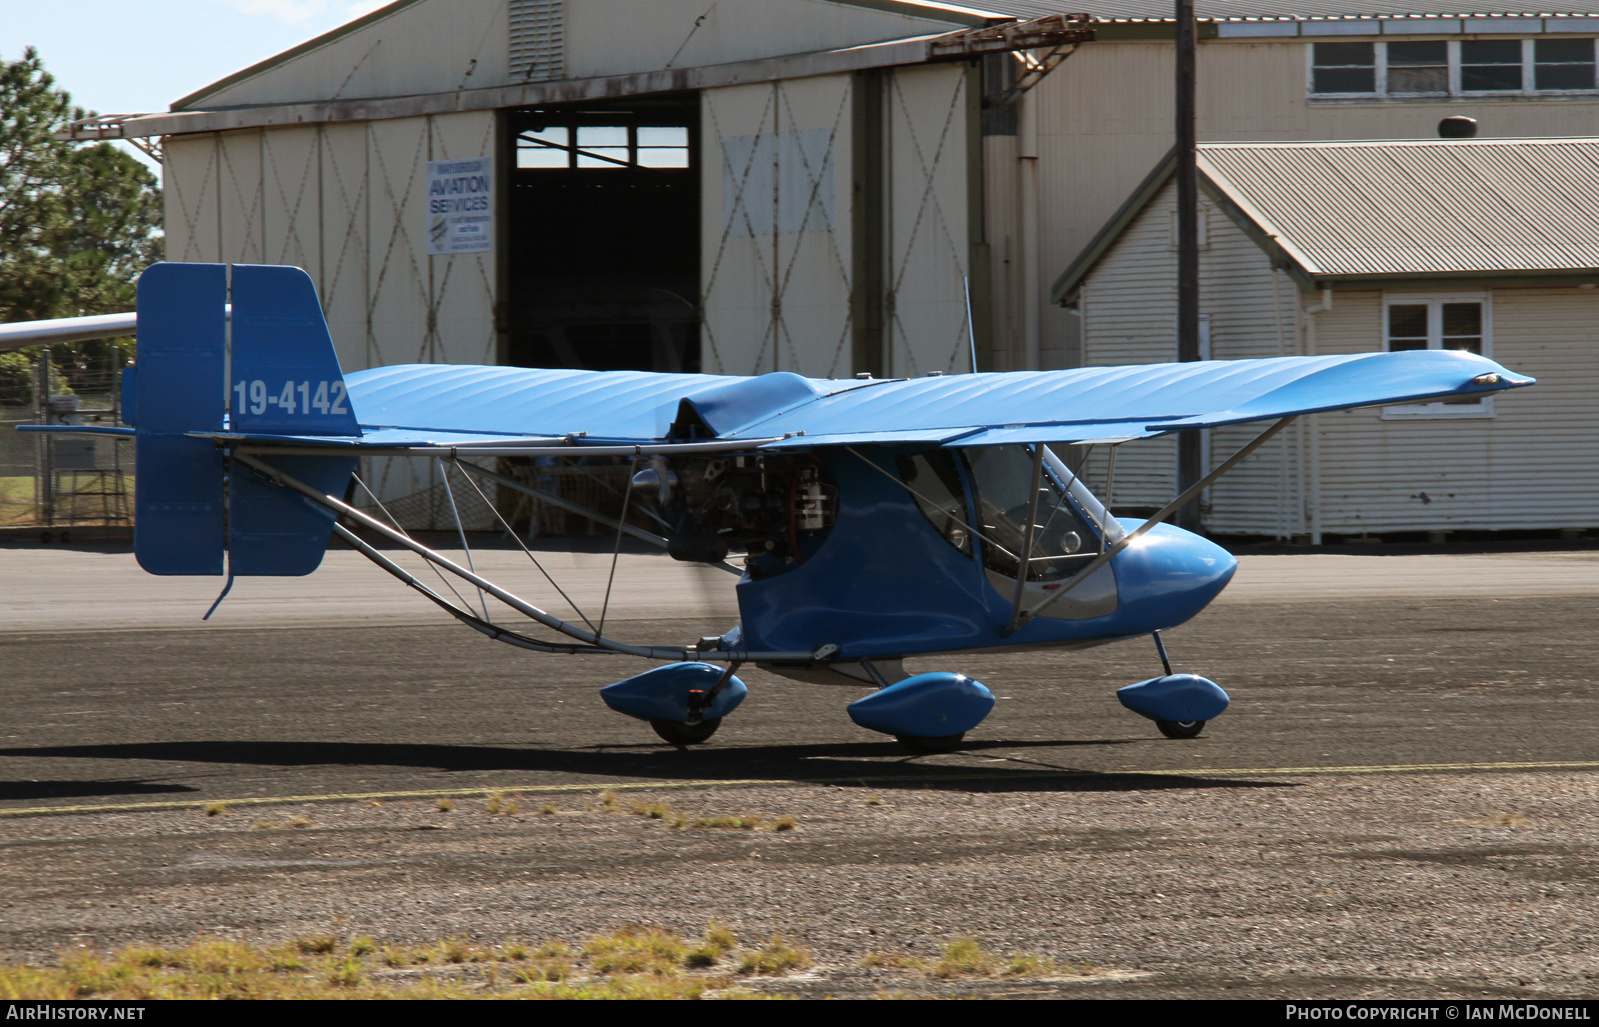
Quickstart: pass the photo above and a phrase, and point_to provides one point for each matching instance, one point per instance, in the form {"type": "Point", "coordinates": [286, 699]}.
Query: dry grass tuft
{"type": "Point", "coordinates": [785, 824]}
{"type": "Point", "coordinates": [872, 800]}
{"type": "Point", "coordinates": [502, 803]}
{"type": "Point", "coordinates": [659, 811]}
{"type": "Point", "coordinates": [548, 809]}
{"type": "Point", "coordinates": [775, 957]}
{"type": "Point", "coordinates": [635, 962]}
{"type": "Point", "coordinates": [635, 949]}
{"type": "Point", "coordinates": [718, 942]}
{"type": "Point", "coordinates": [445, 805]}
{"type": "Point", "coordinates": [315, 944]}
{"type": "Point", "coordinates": [216, 809]}
{"type": "Point", "coordinates": [608, 801]}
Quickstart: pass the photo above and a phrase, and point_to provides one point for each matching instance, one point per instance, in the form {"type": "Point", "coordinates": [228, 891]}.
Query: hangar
{"type": "Point", "coordinates": [736, 186]}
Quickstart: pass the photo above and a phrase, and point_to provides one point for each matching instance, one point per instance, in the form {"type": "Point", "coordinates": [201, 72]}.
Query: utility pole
{"type": "Point", "coordinates": [1188, 442]}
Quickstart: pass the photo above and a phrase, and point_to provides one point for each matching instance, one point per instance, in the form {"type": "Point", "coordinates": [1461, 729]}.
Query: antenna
{"type": "Point", "coordinates": [971, 327]}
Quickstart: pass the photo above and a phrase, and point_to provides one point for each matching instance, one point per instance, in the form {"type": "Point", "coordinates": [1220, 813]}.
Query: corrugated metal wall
{"type": "Point", "coordinates": [776, 236]}
{"type": "Point", "coordinates": [778, 246]}
{"type": "Point", "coordinates": [929, 166]}
{"type": "Point", "coordinates": [1531, 466]}
{"type": "Point", "coordinates": [347, 203]}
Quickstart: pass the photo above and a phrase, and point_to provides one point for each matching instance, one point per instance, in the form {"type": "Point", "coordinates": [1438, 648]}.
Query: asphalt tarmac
{"type": "Point", "coordinates": [1399, 802]}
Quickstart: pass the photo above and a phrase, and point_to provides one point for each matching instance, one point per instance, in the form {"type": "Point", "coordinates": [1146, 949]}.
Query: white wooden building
{"type": "Point", "coordinates": [1316, 248]}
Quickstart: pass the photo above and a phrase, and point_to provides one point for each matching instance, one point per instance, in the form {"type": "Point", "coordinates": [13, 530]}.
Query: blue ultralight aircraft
{"type": "Point", "coordinates": [880, 519]}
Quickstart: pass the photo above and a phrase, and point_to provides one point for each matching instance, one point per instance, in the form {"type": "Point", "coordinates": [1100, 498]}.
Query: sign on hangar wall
{"type": "Point", "coordinates": [460, 206]}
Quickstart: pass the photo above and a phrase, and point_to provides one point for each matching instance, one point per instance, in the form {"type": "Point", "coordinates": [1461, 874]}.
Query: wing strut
{"type": "Point", "coordinates": [516, 603]}
{"type": "Point", "coordinates": [1021, 617]}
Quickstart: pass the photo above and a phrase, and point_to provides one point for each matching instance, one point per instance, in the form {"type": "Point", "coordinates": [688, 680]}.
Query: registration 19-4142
{"type": "Point", "coordinates": [294, 398]}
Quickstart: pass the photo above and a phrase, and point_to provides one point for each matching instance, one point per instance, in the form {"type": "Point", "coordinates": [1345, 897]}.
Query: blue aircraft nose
{"type": "Point", "coordinates": [1167, 575]}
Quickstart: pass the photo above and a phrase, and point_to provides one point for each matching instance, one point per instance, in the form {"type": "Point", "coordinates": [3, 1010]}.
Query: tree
{"type": "Point", "coordinates": [78, 222]}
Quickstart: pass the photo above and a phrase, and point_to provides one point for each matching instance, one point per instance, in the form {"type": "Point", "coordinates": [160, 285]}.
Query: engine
{"type": "Point", "coordinates": [774, 507]}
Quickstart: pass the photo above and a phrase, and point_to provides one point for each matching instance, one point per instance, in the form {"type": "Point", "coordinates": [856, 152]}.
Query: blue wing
{"type": "Point", "coordinates": [429, 404]}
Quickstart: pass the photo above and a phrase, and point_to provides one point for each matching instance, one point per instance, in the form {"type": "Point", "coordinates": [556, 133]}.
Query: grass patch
{"type": "Point", "coordinates": [967, 957]}
{"type": "Point", "coordinates": [216, 809]}
{"type": "Point", "coordinates": [635, 962]}
{"type": "Point", "coordinates": [445, 805]}
{"type": "Point", "coordinates": [777, 956]}
{"type": "Point", "coordinates": [502, 803]}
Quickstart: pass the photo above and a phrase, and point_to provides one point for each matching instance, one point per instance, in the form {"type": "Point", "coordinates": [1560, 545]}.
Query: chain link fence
{"type": "Point", "coordinates": [63, 481]}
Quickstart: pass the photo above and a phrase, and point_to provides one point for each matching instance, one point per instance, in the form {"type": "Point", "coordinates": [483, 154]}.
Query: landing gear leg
{"type": "Point", "coordinates": [1160, 647]}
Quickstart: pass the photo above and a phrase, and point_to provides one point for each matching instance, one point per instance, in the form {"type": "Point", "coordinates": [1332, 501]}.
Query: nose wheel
{"type": "Point", "coordinates": [1181, 728]}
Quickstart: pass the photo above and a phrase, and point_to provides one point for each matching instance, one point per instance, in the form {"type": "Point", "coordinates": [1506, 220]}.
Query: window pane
{"type": "Point", "coordinates": [1490, 64]}
{"type": "Point", "coordinates": [1344, 68]}
{"type": "Point", "coordinates": [596, 157]}
{"type": "Point", "coordinates": [1408, 321]}
{"type": "Point", "coordinates": [1482, 78]}
{"type": "Point", "coordinates": [1420, 67]}
{"type": "Point", "coordinates": [1332, 54]}
{"type": "Point", "coordinates": [1432, 51]}
{"type": "Point", "coordinates": [1346, 80]}
{"type": "Point", "coordinates": [671, 135]}
{"type": "Point", "coordinates": [1564, 51]}
{"type": "Point", "coordinates": [590, 136]}
{"type": "Point", "coordinates": [1564, 63]}
{"type": "Point", "coordinates": [1462, 319]}
{"type": "Point", "coordinates": [1462, 326]}
{"type": "Point", "coordinates": [540, 157]}
{"type": "Point", "coordinates": [1491, 51]}
{"type": "Point", "coordinates": [1418, 80]}
{"type": "Point", "coordinates": [1565, 76]}
{"type": "Point", "coordinates": [663, 157]}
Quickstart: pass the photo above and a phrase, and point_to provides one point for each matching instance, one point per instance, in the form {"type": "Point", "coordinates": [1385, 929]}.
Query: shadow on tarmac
{"type": "Point", "coordinates": [24, 790]}
{"type": "Point", "coordinates": [884, 764]}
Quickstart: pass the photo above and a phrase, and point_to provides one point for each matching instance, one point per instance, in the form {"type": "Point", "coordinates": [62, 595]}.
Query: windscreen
{"type": "Point", "coordinates": [1063, 536]}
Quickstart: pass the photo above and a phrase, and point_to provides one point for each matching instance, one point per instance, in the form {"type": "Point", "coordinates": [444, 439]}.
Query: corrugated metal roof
{"type": "Point", "coordinates": [1240, 10]}
{"type": "Point", "coordinates": [1419, 208]}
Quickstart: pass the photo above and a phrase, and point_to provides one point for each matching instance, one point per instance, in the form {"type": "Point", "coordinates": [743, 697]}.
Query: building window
{"type": "Point", "coordinates": [603, 146]}
{"type": "Point", "coordinates": [1343, 68]}
{"type": "Point", "coordinates": [1452, 67]}
{"type": "Point", "coordinates": [1458, 321]}
{"type": "Point", "coordinates": [1418, 67]}
{"type": "Point", "coordinates": [1563, 64]}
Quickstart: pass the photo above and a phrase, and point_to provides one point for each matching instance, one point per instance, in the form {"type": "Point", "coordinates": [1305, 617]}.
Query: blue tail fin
{"type": "Point", "coordinates": [177, 505]}
{"type": "Point", "coordinates": [285, 381]}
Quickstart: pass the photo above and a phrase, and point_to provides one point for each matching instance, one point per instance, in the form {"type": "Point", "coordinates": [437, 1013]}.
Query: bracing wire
{"type": "Point", "coordinates": [460, 529]}
{"type": "Point", "coordinates": [547, 577]}
{"type": "Point", "coordinates": [627, 502]}
{"type": "Point", "coordinates": [396, 522]}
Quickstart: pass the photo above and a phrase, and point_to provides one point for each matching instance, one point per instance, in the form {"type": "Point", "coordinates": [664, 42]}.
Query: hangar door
{"type": "Point", "coordinates": [836, 224]}
{"type": "Point", "coordinates": [776, 227]}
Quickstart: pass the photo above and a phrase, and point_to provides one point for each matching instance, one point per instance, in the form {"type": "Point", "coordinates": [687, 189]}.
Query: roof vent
{"type": "Point", "coordinates": [1457, 128]}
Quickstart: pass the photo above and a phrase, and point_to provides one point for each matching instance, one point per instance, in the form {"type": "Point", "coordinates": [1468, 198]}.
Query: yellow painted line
{"type": "Point", "coordinates": [429, 793]}
{"type": "Point", "coordinates": [1386, 768]}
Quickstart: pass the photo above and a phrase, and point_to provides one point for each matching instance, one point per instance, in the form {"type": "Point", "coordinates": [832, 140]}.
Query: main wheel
{"type": "Point", "coordinates": [930, 746]}
{"type": "Point", "coordinates": [679, 733]}
{"type": "Point", "coordinates": [1181, 728]}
